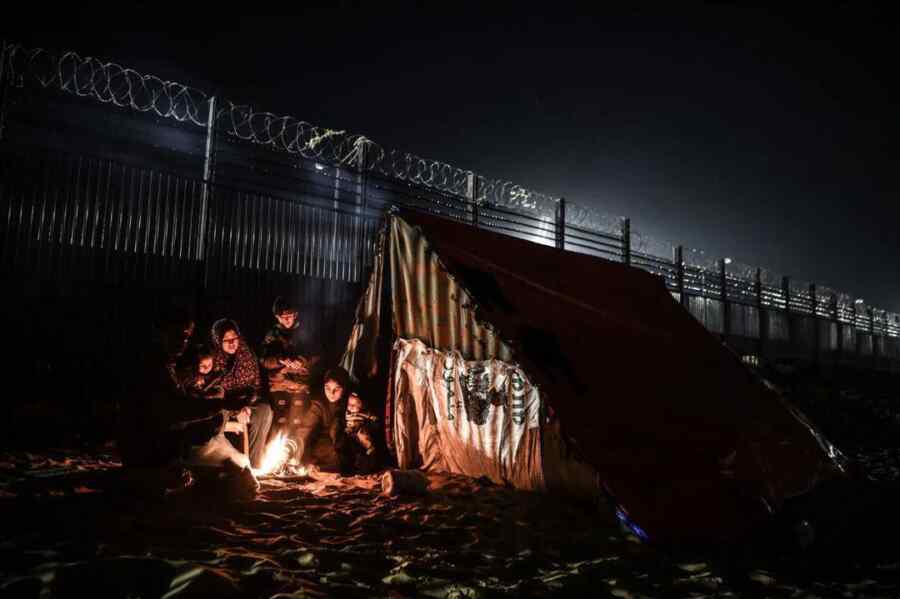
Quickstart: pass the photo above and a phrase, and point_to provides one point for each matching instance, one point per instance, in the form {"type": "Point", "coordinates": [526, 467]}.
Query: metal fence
{"type": "Point", "coordinates": [109, 174]}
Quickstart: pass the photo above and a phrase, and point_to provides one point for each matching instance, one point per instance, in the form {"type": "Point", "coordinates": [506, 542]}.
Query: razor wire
{"type": "Point", "coordinates": [291, 135]}
{"type": "Point", "coordinates": [106, 82]}
{"type": "Point", "coordinates": [111, 83]}
{"type": "Point", "coordinates": [651, 246]}
{"type": "Point", "coordinates": [587, 218]}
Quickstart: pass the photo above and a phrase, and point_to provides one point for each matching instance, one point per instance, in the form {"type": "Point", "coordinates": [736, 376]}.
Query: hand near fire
{"type": "Point", "coordinates": [295, 365]}
{"type": "Point", "coordinates": [243, 417]}
{"type": "Point", "coordinates": [233, 426]}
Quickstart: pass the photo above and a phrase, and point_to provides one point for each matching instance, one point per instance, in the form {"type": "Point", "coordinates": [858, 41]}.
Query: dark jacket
{"type": "Point", "coordinates": [237, 374]}
{"type": "Point", "coordinates": [320, 434]}
{"type": "Point", "coordinates": [280, 344]}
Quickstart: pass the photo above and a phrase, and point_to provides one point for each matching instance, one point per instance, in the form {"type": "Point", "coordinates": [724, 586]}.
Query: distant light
{"type": "Point", "coordinates": [860, 300]}
{"type": "Point", "coordinates": [320, 167]}
{"type": "Point", "coordinates": [727, 260]}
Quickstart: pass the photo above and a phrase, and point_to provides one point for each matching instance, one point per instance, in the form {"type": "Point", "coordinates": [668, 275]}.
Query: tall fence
{"type": "Point", "coordinates": [112, 175]}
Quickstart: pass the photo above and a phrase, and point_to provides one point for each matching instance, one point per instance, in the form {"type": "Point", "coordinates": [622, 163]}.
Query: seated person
{"type": "Point", "coordinates": [285, 359]}
{"type": "Point", "coordinates": [322, 427]}
{"type": "Point", "coordinates": [358, 453]}
{"type": "Point", "coordinates": [238, 373]}
{"type": "Point", "coordinates": [205, 438]}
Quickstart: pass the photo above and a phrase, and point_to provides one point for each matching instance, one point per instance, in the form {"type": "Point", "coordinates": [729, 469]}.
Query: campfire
{"type": "Point", "coordinates": [280, 459]}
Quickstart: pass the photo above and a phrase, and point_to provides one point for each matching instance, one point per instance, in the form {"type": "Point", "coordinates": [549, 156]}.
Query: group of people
{"type": "Point", "coordinates": [196, 399]}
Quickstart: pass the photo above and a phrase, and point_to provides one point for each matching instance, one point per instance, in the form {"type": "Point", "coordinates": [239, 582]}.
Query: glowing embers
{"type": "Point", "coordinates": [280, 459]}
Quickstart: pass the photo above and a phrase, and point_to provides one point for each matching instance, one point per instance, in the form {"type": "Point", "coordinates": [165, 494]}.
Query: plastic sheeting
{"type": "Point", "coordinates": [478, 418]}
{"type": "Point", "coordinates": [682, 435]}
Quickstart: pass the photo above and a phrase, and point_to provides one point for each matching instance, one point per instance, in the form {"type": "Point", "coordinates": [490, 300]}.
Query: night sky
{"type": "Point", "coordinates": [768, 137]}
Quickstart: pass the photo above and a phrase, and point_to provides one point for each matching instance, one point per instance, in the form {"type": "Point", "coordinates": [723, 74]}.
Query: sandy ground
{"type": "Point", "coordinates": [69, 531]}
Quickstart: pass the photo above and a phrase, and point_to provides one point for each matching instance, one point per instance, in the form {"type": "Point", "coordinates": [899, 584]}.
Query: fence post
{"type": "Point", "coordinates": [786, 293]}
{"type": "Point", "coordinates": [837, 323]}
{"type": "Point", "coordinates": [209, 174]}
{"type": "Point", "coordinates": [815, 320]}
{"type": "Point", "coordinates": [363, 173]}
{"type": "Point", "coordinates": [871, 313]}
{"type": "Point", "coordinates": [761, 314]}
{"type": "Point", "coordinates": [626, 240]}
{"type": "Point", "coordinates": [473, 197]}
{"type": "Point", "coordinates": [362, 201]}
{"type": "Point", "coordinates": [723, 293]}
{"type": "Point", "coordinates": [561, 224]}
{"type": "Point", "coordinates": [679, 270]}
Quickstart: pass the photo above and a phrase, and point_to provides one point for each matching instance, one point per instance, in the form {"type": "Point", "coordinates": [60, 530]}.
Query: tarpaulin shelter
{"type": "Point", "coordinates": [554, 370]}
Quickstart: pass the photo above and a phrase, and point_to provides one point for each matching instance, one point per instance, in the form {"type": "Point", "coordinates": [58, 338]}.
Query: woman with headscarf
{"type": "Point", "coordinates": [237, 372]}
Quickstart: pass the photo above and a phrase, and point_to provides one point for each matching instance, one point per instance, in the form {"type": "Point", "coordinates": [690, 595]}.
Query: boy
{"type": "Point", "coordinates": [286, 364]}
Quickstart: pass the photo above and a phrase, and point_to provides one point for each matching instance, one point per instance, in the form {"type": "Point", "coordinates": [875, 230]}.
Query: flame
{"type": "Point", "coordinates": [275, 457]}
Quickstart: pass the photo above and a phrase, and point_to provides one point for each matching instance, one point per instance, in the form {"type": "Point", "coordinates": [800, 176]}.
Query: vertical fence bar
{"type": "Point", "coordinates": [626, 240]}
{"type": "Point", "coordinates": [870, 311]}
{"type": "Point", "coordinates": [815, 320]}
{"type": "Point", "coordinates": [363, 164]}
{"type": "Point", "coordinates": [833, 316]}
{"type": "Point", "coordinates": [208, 178]}
{"type": "Point", "coordinates": [678, 258]}
{"type": "Point", "coordinates": [761, 314]}
{"type": "Point", "coordinates": [561, 224]}
{"type": "Point", "coordinates": [472, 185]}
{"type": "Point", "coordinates": [359, 233]}
{"type": "Point", "coordinates": [786, 294]}
{"type": "Point", "coordinates": [332, 252]}
{"type": "Point", "coordinates": [723, 293]}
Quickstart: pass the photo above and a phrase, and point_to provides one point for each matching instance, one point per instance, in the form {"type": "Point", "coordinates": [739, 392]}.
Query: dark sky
{"type": "Point", "coordinates": [768, 137]}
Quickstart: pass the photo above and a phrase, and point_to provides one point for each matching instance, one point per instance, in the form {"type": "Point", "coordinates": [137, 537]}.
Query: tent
{"type": "Point", "coordinates": [552, 370]}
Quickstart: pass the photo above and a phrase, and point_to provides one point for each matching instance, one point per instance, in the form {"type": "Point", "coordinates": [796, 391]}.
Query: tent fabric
{"type": "Point", "coordinates": [684, 436]}
{"type": "Point", "coordinates": [427, 303]}
{"type": "Point", "coordinates": [478, 418]}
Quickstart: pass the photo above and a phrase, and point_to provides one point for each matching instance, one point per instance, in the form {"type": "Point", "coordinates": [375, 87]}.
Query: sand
{"type": "Point", "coordinates": [69, 530]}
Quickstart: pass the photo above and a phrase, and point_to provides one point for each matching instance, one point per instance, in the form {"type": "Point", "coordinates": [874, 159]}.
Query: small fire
{"type": "Point", "coordinates": [279, 459]}
{"type": "Point", "coordinates": [275, 457]}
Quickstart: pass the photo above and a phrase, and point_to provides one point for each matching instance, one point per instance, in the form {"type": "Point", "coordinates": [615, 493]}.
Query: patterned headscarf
{"type": "Point", "coordinates": [244, 371]}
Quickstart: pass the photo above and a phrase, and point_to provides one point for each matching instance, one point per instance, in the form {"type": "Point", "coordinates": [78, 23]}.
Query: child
{"type": "Point", "coordinates": [285, 360]}
{"type": "Point", "coordinates": [358, 452]}
{"type": "Point", "coordinates": [200, 381]}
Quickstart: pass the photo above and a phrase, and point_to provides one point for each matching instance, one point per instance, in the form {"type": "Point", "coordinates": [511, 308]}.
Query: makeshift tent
{"type": "Point", "coordinates": [492, 345]}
